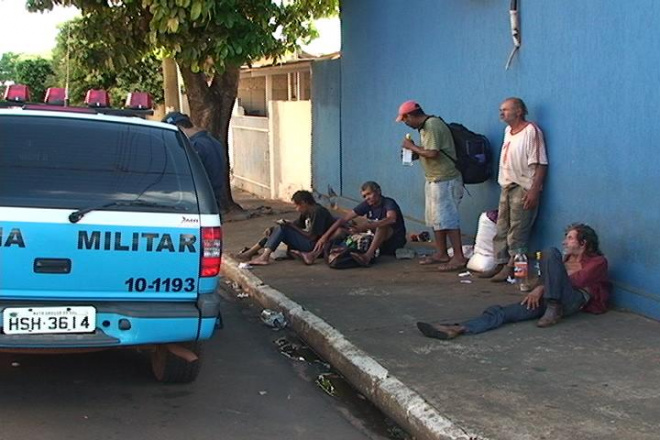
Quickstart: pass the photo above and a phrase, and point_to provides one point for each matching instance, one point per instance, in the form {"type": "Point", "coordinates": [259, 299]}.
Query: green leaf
{"type": "Point", "coordinates": [173, 24]}
{"type": "Point", "coordinates": [196, 10]}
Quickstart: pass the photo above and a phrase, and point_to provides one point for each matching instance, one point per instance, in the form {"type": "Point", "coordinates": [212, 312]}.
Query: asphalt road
{"type": "Point", "coordinates": [246, 390]}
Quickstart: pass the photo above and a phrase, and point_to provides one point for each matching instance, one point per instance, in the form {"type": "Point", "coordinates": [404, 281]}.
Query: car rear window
{"type": "Point", "coordinates": [54, 162]}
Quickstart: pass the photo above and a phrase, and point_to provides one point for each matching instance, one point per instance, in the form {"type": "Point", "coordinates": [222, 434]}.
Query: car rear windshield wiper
{"type": "Point", "coordinates": [75, 216]}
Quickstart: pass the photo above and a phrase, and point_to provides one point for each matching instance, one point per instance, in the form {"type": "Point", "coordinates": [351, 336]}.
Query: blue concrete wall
{"type": "Point", "coordinates": [326, 142]}
{"type": "Point", "coordinates": [589, 73]}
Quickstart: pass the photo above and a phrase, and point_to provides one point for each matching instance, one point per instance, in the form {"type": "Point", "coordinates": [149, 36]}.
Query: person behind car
{"type": "Point", "coordinates": [209, 149]}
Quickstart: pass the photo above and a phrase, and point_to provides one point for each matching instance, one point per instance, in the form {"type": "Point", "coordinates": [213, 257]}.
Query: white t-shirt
{"type": "Point", "coordinates": [520, 153]}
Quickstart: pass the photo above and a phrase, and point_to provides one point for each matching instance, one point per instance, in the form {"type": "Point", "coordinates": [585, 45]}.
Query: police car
{"type": "Point", "coordinates": [109, 238]}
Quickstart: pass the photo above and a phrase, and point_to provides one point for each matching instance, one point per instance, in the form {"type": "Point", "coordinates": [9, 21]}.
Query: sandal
{"type": "Point", "coordinates": [451, 267]}
{"type": "Point", "coordinates": [429, 259]}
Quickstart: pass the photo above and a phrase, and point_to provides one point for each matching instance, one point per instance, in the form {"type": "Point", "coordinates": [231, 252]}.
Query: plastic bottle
{"type": "Point", "coordinates": [406, 155]}
{"type": "Point", "coordinates": [537, 265]}
{"type": "Point", "coordinates": [521, 270]}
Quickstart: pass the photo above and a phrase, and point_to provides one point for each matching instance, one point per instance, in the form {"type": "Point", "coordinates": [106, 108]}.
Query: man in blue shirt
{"type": "Point", "coordinates": [384, 219]}
{"type": "Point", "coordinates": [209, 149]}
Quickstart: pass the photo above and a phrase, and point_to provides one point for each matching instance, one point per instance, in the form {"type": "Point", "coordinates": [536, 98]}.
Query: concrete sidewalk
{"type": "Point", "coordinates": [590, 377]}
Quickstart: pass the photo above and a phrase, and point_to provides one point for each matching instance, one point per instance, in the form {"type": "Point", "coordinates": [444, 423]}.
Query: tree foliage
{"type": "Point", "coordinates": [35, 73]}
{"type": "Point", "coordinates": [209, 39]}
{"type": "Point", "coordinates": [80, 56]}
{"type": "Point", "coordinates": [8, 62]}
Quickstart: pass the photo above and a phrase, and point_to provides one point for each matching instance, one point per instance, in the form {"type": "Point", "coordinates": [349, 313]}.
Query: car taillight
{"type": "Point", "coordinates": [211, 251]}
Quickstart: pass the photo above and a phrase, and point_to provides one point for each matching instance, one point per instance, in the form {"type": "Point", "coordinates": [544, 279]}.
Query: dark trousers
{"type": "Point", "coordinates": [557, 287]}
{"type": "Point", "coordinates": [291, 237]}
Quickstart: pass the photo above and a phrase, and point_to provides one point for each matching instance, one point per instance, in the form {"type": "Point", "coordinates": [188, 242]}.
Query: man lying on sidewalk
{"type": "Point", "coordinates": [576, 282]}
{"type": "Point", "coordinates": [384, 219]}
{"type": "Point", "coordinates": [300, 235]}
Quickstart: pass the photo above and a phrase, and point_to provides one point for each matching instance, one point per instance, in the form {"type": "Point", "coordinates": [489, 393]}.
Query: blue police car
{"type": "Point", "coordinates": [110, 237]}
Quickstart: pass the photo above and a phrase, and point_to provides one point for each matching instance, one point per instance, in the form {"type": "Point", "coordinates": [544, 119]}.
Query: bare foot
{"type": "Point", "coordinates": [434, 259]}
{"type": "Point", "coordinates": [259, 262]}
{"type": "Point", "coordinates": [308, 257]}
{"type": "Point", "coordinates": [362, 259]}
{"type": "Point", "coordinates": [453, 265]}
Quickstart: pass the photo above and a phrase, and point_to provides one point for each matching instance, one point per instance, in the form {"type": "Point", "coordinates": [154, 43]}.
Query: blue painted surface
{"type": "Point", "coordinates": [326, 148]}
{"type": "Point", "coordinates": [588, 72]}
{"type": "Point", "coordinates": [144, 330]}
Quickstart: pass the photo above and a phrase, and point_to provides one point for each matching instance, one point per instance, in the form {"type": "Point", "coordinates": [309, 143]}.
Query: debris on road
{"type": "Point", "coordinates": [273, 319]}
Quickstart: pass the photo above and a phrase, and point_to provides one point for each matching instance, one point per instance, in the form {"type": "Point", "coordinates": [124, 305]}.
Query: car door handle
{"type": "Point", "coordinates": [52, 265]}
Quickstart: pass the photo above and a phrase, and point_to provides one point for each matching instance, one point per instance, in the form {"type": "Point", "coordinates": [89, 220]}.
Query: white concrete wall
{"type": "Point", "coordinates": [251, 154]}
{"type": "Point", "coordinates": [290, 138]}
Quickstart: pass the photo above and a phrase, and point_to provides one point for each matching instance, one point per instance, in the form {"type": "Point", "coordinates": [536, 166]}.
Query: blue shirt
{"type": "Point", "coordinates": [212, 154]}
{"type": "Point", "coordinates": [380, 212]}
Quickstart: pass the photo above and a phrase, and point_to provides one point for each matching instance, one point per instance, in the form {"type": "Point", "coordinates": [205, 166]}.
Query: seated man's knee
{"type": "Point", "coordinates": [551, 253]}
{"type": "Point", "coordinates": [493, 310]}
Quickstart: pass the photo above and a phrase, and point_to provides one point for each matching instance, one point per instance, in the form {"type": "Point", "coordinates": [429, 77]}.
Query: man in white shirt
{"type": "Point", "coordinates": [523, 166]}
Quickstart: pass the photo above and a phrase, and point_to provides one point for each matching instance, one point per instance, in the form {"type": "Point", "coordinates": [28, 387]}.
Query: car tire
{"type": "Point", "coordinates": [170, 368]}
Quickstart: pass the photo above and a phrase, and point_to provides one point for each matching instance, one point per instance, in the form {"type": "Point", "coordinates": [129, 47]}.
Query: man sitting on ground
{"type": "Point", "coordinates": [384, 219]}
{"type": "Point", "coordinates": [576, 282]}
{"type": "Point", "coordinates": [300, 235]}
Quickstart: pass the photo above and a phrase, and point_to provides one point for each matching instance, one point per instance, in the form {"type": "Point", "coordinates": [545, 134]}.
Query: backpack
{"type": "Point", "coordinates": [338, 253]}
{"type": "Point", "coordinates": [473, 153]}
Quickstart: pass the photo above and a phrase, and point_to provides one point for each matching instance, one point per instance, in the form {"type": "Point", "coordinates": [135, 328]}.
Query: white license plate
{"type": "Point", "coordinates": [40, 320]}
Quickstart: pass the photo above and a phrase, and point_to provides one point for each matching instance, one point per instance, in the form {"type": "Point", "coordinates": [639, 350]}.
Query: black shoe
{"type": "Point", "coordinates": [444, 332]}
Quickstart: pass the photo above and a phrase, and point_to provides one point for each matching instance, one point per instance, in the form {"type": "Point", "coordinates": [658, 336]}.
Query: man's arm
{"type": "Point", "coordinates": [419, 151]}
{"type": "Point", "coordinates": [390, 219]}
{"type": "Point", "coordinates": [330, 232]}
{"type": "Point", "coordinates": [593, 272]}
{"type": "Point", "coordinates": [533, 195]}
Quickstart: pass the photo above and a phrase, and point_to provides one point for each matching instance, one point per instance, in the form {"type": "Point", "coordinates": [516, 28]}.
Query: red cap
{"type": "Point", "coordinates": [405, 108]}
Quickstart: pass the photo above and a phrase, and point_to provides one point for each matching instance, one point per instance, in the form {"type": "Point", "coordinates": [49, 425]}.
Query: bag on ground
{"type": "Point", "coordinates": [338, 254]}
{"type": "Point", "coordinates": [483, 258]}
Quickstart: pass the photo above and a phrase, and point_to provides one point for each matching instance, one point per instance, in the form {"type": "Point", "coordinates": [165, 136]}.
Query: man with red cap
{"type": "Point", "coordinates": [444, 185]}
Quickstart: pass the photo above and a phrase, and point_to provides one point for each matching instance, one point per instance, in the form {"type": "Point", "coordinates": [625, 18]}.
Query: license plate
{"type": "Point", "coordinates": [43, 320]}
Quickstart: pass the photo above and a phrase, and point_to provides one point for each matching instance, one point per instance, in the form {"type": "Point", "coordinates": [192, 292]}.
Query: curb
{"type": "Point", "coordinates": [374, 381]}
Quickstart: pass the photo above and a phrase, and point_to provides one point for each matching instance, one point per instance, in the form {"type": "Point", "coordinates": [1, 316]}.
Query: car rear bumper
{"type": "Point", "coordinates": [126, 324]}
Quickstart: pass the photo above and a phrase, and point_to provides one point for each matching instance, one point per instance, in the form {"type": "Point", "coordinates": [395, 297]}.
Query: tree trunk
{"type": "Point", "coordinates": [211, 103]}
{"type": "Point", "coordinates": [171, 83]}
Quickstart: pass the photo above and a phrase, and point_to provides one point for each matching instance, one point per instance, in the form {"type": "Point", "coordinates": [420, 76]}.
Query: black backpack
{"type": "Point", "coordinates": [473, 153]}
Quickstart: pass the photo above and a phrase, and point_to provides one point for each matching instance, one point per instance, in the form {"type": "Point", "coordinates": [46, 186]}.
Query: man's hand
{"type": "Point", "coordinates": [318, 247]}
{"type": "Point", "coordinates": [268, 231]}
{"type": "Point", "coordinates": [533, 298]}
{"type": "Point", "coordinates": [531, 199]}
{"type": "Point", "coordinates": [408, 144]}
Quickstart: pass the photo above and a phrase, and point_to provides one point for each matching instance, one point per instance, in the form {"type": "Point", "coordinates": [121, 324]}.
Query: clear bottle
{"type": "Point", "coordinates": [406, 155]}
{"type": "Point", "coordinates": [537, 265]}
{"type": "Point", "coordinates": [521, 270]}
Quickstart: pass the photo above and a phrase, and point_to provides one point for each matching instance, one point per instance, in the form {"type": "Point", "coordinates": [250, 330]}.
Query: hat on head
{"type": "Point", "coordinates": [407, 107]}
{"type": "Point", "coordinates": [176, 117]}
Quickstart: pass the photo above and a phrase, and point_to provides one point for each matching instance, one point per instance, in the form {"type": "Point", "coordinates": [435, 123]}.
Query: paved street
{"type": "Point", "coordinates": [246, 390]}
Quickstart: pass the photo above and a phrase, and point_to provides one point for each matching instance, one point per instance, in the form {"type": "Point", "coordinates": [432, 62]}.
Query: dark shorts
{"type": "Point", "coordinates": [390, 246]}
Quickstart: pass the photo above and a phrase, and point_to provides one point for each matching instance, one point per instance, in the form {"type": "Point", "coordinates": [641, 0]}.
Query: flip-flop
{"type": "Point", "coordinates": [431, 260]}
{"type": "Point", "coordinates": [451, 267]}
